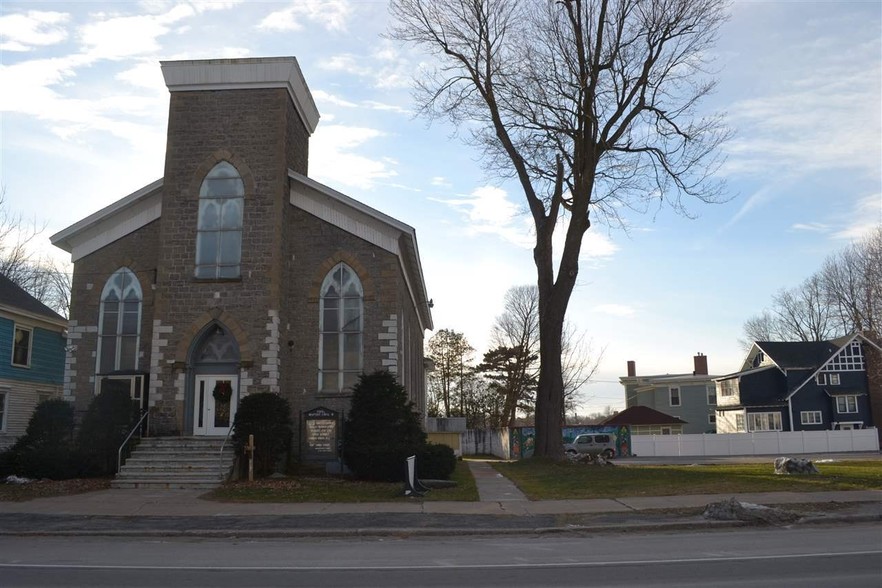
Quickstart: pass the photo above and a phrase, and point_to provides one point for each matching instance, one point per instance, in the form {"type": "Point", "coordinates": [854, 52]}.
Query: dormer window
{"type": "Point", "coordinates": [219, 233]}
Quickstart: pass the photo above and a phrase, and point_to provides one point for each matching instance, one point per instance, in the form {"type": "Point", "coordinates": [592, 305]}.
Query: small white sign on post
{"type": "Point", "coordinates": [412, 486]}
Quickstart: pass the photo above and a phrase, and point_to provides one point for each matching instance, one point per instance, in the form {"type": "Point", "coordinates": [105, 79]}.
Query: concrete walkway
{"type": "Point", "coordinates": [493, 486]}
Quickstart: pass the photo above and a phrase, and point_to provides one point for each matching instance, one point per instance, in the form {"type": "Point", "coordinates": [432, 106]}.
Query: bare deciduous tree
{"type": "Point", "coordinates": [579, 363]}
{"type": "Point", "coordinates": [844, 296]}
{"type": "Point", "coordinates": [516, 335]}
{"type": "Point", "coordinates": [589, 105]}
{"type": "Point", "coordinates": [451, 353]}
{"type": "Point", "coordinates": [41, 277]}
{"type": "Point", "coordinates": [852, 280]}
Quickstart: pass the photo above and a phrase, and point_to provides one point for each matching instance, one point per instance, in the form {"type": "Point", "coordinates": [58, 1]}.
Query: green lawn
{"type": "Point", "coordinates": [315, 488]}
{"type": "Point", "coordinates": [547, 480]}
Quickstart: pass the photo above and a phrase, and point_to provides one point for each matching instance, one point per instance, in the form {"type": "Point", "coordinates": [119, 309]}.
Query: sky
{"type": "Point", "coordinates": [84, 110]}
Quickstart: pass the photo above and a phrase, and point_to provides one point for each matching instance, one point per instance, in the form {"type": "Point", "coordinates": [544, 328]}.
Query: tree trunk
{"type": "Point", "coordinates": [549, 396]}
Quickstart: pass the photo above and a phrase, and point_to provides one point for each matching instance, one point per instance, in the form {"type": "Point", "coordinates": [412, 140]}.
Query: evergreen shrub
{"type": "Point", "coordinates": [267, 416]}
{"type": "Point", "coordinates": [382, 429]}
{"type": "Point", "coordinates": [109, 419]}
{"type": "Point", "coordinates": [435, 462]}
{"type": "Point", "coordinates": [46, 449]}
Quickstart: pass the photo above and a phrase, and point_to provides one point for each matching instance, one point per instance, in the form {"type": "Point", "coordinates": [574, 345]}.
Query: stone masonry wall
{"type": "Point", "coordinates": [136, 251]}
{"type": "Point", "coordinates": [248, 128]}
{"type": "Point", "coordinates": [313, 249]}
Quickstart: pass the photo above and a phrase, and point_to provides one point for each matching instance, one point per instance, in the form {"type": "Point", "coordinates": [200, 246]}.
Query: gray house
{"type": "Point", "coordinates": [691, 396]}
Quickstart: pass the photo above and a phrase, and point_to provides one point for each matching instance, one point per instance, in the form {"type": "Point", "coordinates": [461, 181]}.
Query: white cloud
{"type": "Point", "coordinates": [320, 96]}
{"type": "Point", "coordinates": [756, 200]}
{"type": "Point", "coordinates": [488, 211]}
{"type": "Point", "coordinates": [127, 36]}
{"type": "Point", "coordinates": [144, 75]}
{"type": "Point", "coordinates": [866, 217]}
{"type": "Point", "coordinates": [822, 114]}
{"type": "Point", "coordinates": [331, 157]}
{"type": "Point", "coordinates": [22, 32]}
{"type": "Point", "coordinates": [333, 15]}
{"type": "Point", "coordinates": [615, 309]}
{"type": "Point", "coordinates": [811, 227]}
{"type": "Point", "coordinates": [440, 181]}
{"type": "Point", "coordinates": [373, 105]}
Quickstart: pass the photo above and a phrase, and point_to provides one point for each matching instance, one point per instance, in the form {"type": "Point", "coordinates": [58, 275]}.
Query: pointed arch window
{"type": "Point", "coordinates": [119, 325]}
{"type": "Point", "coordinates": [341, 326]}
{"type": "Point", "coordinates": [219, 232]}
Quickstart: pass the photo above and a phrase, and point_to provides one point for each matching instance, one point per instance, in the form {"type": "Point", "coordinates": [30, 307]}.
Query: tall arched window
{"type": "Point", "coordinates": [341, 326]}
{"type": "Point", "coordinates": [119, 325]}
{"type": "Point", "coordinates": [219, 234]}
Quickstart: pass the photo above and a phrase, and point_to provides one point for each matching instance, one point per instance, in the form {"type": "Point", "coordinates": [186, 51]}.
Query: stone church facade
{"type": "Point", "coordinates": [236, 273]}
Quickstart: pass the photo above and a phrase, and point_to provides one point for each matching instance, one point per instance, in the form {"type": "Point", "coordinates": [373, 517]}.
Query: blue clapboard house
{"type": "Point", "coordinates": [32, 350]}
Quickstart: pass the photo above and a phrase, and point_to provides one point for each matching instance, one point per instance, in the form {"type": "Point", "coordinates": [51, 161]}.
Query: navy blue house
{"type": "Point", "coordinates": [798, 386]}
{"type": "Point", "coordinates": [32, 349]}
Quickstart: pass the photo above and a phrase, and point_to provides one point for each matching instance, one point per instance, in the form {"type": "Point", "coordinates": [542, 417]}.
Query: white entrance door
{"type": "Point", "coordinates": [215, 407]}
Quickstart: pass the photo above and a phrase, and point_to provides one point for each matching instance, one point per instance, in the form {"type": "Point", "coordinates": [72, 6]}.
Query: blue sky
{"type": "Point", "coordinates": [84, 109]}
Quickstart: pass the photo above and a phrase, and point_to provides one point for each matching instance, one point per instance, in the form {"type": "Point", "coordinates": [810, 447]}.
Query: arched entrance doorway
{"type": "Point", "coordinates": [214, 361]}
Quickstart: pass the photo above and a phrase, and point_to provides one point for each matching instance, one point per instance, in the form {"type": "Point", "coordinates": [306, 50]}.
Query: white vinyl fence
{"type": "Point", "coordinates": [767, 443]}
{"type": "Point", "coordinates": [485, 442]}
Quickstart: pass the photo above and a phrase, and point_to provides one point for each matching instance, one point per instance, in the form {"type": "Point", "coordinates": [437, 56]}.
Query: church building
{"type": "Point", "coordinates": [237, 273]}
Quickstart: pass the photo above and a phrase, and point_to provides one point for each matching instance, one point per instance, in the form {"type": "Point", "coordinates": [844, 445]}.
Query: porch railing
{"type": "Point", "coordinates": [145, 415]}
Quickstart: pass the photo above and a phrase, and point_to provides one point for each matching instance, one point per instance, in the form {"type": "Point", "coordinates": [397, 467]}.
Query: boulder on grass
{"type": "Point", "coordinates": [733, 510]}
{"type": "Point", "coordinates": [791, 465]}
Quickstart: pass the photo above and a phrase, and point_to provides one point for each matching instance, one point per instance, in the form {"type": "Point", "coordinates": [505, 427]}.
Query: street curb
{"type": "Point", "coordinates": [406, 532]}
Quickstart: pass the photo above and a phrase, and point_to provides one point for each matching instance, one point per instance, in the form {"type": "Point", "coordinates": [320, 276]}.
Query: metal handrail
{"type": "Point", "coordinates": [220, 455]}
{"type": "Point", "coordinates": [145, 415]}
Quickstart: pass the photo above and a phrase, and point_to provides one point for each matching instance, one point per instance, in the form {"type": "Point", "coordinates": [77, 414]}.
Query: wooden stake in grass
{"type": "Point", "coordinates": [250, 449]}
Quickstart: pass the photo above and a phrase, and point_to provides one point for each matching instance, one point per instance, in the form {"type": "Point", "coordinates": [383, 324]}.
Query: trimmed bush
{"type": "Point", "coordinates": [436, 462]}
{"type": "Point", "coordinates": [51, 425]}
{"type": "Point", "coordinates": [267, 416]}
{"type": "Point", "coordinates": [382, 429]}
{"type": "Point", "coordinates": [46, 448]}
{"type": "Point", "coordinates": [109, 418]}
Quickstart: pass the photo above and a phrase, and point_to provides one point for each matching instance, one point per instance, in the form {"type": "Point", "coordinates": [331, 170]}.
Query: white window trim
{"type": "Point", "coordinates": [217, 266]}
{"type": "Point", "coordinates": [743, 425]}
{"type": "Point", "coordinates": [821, 379]}
{"type": "Point", "coordinates": [752, 418]}
{"type": "Point", "coordinates": [671, 396]}
{"type": "Point", "coordinates": [339, 371]}
{"type": "Point", "coordinates": [712, 391]}
{"type": "Point", "coordinates": [811, 417]}
{"type": "Point", "coordinates": [712, 419]}
{"type": "Point", "coordinates": [117, 335]}
{"type": "Point", "coordinates": [15, 328]}
{"type": "Point", "coordinates": [833, 379]}
{"type": "Point", "coordinates": [845, 397]}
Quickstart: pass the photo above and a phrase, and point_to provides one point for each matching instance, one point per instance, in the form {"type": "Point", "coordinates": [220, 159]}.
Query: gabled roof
{"type": "Point", "coordinates": [798, 354]}
{"type": "Point", "coordinates": [15, 300]}
{"type": "Point", "coordinates": [840, 344]}
{"type": "Point", "coordinates": [371, 225]}
{"type": "Point", "coordinates": [744, 372]}
{"type": "Point", "coordinates": [643, 415]}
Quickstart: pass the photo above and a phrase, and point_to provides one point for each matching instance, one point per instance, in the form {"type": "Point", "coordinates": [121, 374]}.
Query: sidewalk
{"type": "Point", "coordinates": [502, 509]}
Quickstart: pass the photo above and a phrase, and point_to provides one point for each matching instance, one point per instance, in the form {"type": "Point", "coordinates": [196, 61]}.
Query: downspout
{"type": "Point", "coordinates": [790, 408]}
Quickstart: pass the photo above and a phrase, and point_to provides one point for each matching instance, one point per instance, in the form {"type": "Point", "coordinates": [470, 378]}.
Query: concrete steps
{"type": "Point", "coordinates": [176, 462]}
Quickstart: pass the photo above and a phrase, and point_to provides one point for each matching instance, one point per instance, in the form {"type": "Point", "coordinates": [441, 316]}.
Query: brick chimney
{"type": "Point", "coordinates": [632, 369]}
{"type": "Point", "coordinates": [700, 364]}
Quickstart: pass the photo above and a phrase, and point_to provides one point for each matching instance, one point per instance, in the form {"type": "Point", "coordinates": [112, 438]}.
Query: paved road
{"type": "Point", "coordinates": [803, 557]}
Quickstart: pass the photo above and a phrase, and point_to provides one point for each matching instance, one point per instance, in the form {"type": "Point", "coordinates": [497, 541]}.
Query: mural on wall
{"type": "Point", "coordinates": [522, 440]}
